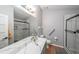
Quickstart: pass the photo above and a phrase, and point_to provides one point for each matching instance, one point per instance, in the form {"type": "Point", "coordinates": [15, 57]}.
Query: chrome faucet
{"type": "Point", "coordinates": [34, 34]}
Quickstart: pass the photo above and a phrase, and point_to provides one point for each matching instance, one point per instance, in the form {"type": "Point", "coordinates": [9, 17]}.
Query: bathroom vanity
{"type": "Point", "coordinates": [25, 46]}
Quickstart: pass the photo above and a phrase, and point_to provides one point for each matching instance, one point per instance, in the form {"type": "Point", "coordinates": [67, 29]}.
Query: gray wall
{"type": "Point", "coordinates": [55, 19]}
{"type": "Point", "coordinates": [8, 10]}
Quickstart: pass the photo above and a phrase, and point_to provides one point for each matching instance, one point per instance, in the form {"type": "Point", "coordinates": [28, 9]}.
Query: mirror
{"type": "Point", "coordinates": [14, 25]}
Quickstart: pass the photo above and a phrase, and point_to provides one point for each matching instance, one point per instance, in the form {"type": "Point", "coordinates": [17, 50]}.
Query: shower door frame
{"type": "Point", "coordinates": [66, 41]}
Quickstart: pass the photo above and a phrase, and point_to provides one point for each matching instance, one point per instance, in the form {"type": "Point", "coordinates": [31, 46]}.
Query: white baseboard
{"type": "Point", "coordinates": [57, 45]}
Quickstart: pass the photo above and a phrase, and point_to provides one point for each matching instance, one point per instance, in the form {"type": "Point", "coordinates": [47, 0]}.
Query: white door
{"type": "Point", "coordinates": [3, 30]}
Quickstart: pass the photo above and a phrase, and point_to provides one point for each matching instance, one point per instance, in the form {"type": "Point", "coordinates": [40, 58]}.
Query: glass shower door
{"type": "Point", "coordinates": [77, 36]}
{"type": "Point", "coordinates": [72, 34]}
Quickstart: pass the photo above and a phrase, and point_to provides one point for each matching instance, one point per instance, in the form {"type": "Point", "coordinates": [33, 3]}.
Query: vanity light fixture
{"type": "Point", "coordinates": [28, 9]}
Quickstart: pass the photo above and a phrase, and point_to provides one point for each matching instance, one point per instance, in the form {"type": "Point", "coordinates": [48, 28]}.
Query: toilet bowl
{"type": "Point", "coordinates": [48, 41]}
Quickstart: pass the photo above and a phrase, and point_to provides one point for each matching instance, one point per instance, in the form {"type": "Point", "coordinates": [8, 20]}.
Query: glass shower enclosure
{"type": "Point", "coordinates": [72, 34]}
{"type": "Point", "coordinates": [21, 29]}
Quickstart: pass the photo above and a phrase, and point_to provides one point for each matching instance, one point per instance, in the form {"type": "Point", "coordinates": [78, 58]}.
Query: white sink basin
{"type": "Point", "coordinates": [25, 46]}
{"type": "Point", "coordinates": [32, 48]}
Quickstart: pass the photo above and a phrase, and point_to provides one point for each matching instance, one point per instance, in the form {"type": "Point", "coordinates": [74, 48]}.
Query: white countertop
{"type": "Point", "coordinates": [25, 46]}
{"type": "Point", "coordinates": [32, 48]}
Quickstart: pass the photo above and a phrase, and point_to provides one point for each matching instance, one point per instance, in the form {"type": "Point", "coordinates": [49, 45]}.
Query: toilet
{"type": "Point", "coordinates": [48, 42]}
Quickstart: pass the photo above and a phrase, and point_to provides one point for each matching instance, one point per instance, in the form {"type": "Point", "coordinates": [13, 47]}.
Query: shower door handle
{"type": "Point", "coordinates": [70, 31]}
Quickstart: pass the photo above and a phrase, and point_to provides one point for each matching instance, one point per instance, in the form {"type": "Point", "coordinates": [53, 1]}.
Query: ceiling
{"type": "Point", "coordinates": [19, 14]}
{"type": "Point", "coordinates": [59, 7]}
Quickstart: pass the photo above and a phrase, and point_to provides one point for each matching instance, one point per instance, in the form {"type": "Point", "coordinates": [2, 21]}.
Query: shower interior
{"type": "Point", "coordinates": [72, 34]}
{"type": "Point", "coordinates": [21, 29]}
